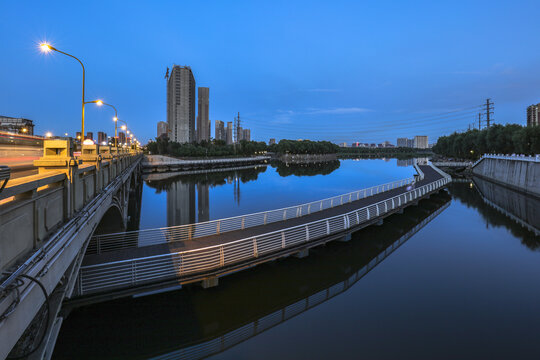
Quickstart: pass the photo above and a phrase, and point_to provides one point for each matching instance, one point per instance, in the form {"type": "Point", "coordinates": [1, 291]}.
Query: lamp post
{"type": "Point", "coordinates": [47, 48]}
{"type": "Point", "coordinates": [115, 118]}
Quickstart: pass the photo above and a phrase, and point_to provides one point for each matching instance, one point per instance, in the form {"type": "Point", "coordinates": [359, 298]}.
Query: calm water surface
{"type": "Point", "coordinates": [451, 278]}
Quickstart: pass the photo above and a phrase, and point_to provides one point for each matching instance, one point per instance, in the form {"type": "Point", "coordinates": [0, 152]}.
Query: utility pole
{"type": "Point", "coordinates": [236, 129]}
{"type": "Point", "coordinates": [479, 121]}
{"type": "Point", "coordinates": [489, 108]}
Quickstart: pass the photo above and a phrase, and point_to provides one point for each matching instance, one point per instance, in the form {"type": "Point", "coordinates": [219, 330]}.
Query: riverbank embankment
{"type": "Point", "coordinates": [517, 172]}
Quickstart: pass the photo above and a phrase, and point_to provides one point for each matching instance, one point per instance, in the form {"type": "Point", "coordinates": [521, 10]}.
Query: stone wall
{"type": "Point", "coordinates": [516, 174]}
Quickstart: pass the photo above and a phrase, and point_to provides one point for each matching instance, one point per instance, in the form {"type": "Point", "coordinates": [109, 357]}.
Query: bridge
{"type": "Point", "coordinates": [46, 221]}
{"type": "Point", "coordinates": [143, 261]}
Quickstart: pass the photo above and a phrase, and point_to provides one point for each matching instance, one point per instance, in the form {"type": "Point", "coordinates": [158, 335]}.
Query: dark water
{"type": "Point", "coordinates": [455, 277]}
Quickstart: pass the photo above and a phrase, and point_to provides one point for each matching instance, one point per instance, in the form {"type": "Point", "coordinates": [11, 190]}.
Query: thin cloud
{"type": "Point", "coordinates": [324, 90]}
{"type": "Point", "coordinates": [339, 111]}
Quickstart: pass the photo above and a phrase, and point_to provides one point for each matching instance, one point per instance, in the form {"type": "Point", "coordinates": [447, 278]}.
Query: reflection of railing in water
{"type": "Point", "coordinates": [275, 318]}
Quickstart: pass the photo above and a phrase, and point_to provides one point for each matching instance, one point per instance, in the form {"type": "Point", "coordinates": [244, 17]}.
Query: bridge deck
{"type": "Point", "coordinates": [430, 175]}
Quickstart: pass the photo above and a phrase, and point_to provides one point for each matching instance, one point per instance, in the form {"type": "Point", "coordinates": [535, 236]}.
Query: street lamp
{"type": "Point", "coordinates": [47, 48]}
{"type": "Point", "coordinates": [115, 118]}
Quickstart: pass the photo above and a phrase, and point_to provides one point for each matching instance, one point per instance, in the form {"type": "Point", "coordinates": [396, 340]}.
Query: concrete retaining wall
{"type": "Point", "coordinates": [516, 174]}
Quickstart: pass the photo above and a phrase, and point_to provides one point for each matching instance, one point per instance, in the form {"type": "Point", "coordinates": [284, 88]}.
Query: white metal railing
{"type": "Point", "coordinates": [453, 163]}
{"type": "Point", "coordinates": [516, 157]}
{"type": "Point", "coordinates": [216, 345]}
{"type": "Point", "coordinates": [117, 241]}
{"type": "Point", "coordinates": [93, 278]}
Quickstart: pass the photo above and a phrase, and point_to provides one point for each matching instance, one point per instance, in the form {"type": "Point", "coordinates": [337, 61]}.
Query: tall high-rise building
{"type": "Point", "coordinates": [90, 135]}
{"type": "Point", "coordinates": [121, 138]}
{"type": "Point", "coordinates": [246, 135]}
{"type": "Point", "coordinates": [220, 130]}
{"type": "Point", "coordinates": [533, 115]}
{"type": "Point", "coordinates": [203, 131]}
{"type": "Point", "coordinates": [229, 133]}
{"type": "Point", "coordinates": [101, 137]}
{"type": "Point", "coordinates": [162, 129]}
{"type": "Point", "coordinates": [421, 142]}
{"type": "Point", "coordinates": [181, 104]}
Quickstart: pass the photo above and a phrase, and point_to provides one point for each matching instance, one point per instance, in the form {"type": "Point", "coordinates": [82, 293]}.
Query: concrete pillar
{"type": "Point", "coordinates": [345, 238]}
{"type": "Point", "coordinates": [210, 282]}
{"type": "Point", "coordinates": [302, 254]}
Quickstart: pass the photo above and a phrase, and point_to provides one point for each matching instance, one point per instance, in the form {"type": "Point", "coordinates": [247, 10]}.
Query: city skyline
{"type": "Point", "coordinates": [372, 91]}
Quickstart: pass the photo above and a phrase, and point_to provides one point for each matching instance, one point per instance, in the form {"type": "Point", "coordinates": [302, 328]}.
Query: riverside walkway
{"type": "Point", "coordinates": [206, 251]}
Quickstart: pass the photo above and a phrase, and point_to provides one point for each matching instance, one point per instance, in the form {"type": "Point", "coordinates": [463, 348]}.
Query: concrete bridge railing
{"type": "Point", "coordinates": [34, 207]}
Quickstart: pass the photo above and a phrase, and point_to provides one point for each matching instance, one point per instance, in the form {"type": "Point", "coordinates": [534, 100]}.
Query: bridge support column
{"type": "Point", "coordinates": [210, 282]}
{"type": "Point", "coordinates": [345, 238]}
{"type": "Point", "coordinates": [302, 254]}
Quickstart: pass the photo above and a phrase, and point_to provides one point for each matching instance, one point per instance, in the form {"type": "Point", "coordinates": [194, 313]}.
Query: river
{"type": "Point", "coordinates": [455, 277]}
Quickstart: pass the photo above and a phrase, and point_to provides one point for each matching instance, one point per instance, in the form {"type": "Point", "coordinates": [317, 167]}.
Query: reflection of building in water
{"type": "Point", "coordinates": [203, 202]}
{"type": "Point", "coordinates": [407, 162]}
{"type": "Point", "coordinates": [180, 203]}
{"type": "Point", "coordinates": [236, 189]}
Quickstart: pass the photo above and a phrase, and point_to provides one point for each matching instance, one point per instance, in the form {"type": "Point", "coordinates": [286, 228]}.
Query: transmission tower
{"type": "Point", "coordinates": [236, 129]}
{"type": "Point", "coordinates": [489, 107]}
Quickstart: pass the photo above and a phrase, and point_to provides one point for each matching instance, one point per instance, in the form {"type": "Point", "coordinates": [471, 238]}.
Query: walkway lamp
{"type": "Point", "coordinates": [47, 48]}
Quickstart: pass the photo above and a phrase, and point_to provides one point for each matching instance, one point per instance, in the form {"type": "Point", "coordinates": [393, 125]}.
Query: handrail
{"type": "Point", "coordinates": [154, 236]}
{"type": "Point", "coordinates": [516, 157]}
{"type": "Point", "coordinates": [135, 271]}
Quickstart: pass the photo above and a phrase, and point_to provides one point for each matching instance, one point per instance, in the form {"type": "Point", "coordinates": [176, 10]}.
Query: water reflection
{"type": "Point", "coordinates": [195, 323]}
{"type": "Point", "coordinates": [188, 194]}
{"type": "Point", "coordinates": [305, 169]}
{"type": "Point", "coordinates": [502, 207]}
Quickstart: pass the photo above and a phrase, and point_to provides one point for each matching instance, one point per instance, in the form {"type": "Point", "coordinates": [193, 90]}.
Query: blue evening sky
{"type": "Point", "coordinates": [366, 71]}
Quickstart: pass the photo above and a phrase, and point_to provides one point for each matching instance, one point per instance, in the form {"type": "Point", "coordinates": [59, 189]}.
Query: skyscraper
{"type": "Point", "coordinates": [402, 142]}
{"type": "Point", "coordinates": [203, 130]}
{"type": "Point", "coordinates": [246, 135]}
{"type": "Point", "coordinates": [162, 129]}
{"type": "Point", "coordinates": [181, 104]}
{"type": "Point", "coordinates": [532, 115]}
{"type": "Point", "coordinates": [101, 137]}
{"type": "Point", "coordinates": [220, 130]}
{"type": "Point", "coordinates": [229, 133]}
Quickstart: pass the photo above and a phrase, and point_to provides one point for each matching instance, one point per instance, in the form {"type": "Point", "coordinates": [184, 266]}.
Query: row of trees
{"type": "Point", "coordinates": [303, 147]}
{"type": "Point", "coordinates": [500, 139]}
{"type": "Point", "coordinates": [216, 148]}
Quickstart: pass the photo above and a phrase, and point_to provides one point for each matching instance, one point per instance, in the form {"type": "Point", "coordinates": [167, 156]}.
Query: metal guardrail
{"type": "Point", "coordinates": [453, 163]}
{"type": "Point", "coordinates": [5, 174]}
{"type": "Point", "coordinates": [117, 241]}
{"type": "Point", "coordinates": [516, 157]}
{"type": "Point", "coordinates": [132, 272]}
{"type": "Point", "coordinates": [232, 338]}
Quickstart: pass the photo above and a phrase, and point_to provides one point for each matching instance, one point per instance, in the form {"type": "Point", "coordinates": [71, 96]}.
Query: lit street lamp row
{"type": "Point", "coordinates": [46, 48]}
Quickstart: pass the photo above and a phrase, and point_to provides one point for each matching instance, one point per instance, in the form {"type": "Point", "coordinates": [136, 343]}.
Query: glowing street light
{"type": "Point", "coordinates": [47, 48]}
{"type": "Point", "coordinates": [48, 134]}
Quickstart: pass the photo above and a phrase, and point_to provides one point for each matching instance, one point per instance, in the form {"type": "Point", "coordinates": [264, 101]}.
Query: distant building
{"type": "Point", "coordinates": [239, 134]}
{"type": "Point", "coordinates": [181, 104]}
{"type": "Point", "coordinates": [89, 135]}
{"type": "Point", "coordinates": [229, 133]}
{"type": "Point", "coordinates": [246, 135]}
{"type": "Point", "coordinates": [272, 141]}
{"type": "Point", "coordinates": [16, 125]}
{"type": "Point", "coordinates": [162, 129]}
{"type": "Point", "coordinates": [388, 144]}
{"type": "Point", "coordinates": [101, 137]}
{"type": "Point", "coordinates": [78, 135]}
{"type": "Point", "coordinates": [532, 115]}
{"type": "Point", "coordinates": [121, 138]}
{"type": "Point", "coordinates": [421, 142]}
{"type": "Point", "coordinates": [343, 144]}
{"type": "Point", "coordinates": [203, 130]}
{"type": "Point", "coordinates": [410, 143]}
{"type": "Point", "coordinates": [402, 142]}
{"type": "Point", "coordinates": [220, 130]}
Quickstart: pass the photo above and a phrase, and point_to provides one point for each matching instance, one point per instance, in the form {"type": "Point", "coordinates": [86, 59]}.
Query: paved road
{"type": "Point", "coordinates": [430, 176]}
